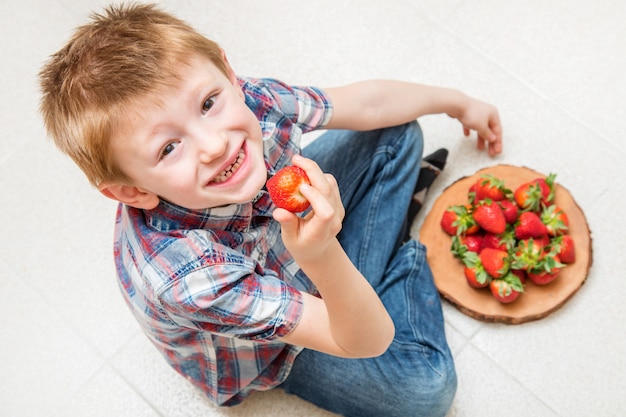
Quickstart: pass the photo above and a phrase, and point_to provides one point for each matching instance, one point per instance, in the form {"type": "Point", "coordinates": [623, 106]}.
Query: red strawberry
{"type": "Point", "coordinates": [504, 241]}
{"type": "Point", "coordinates": [496, 262]}
{"type": "Point", "coordinates": [474, 271]}
{"type": "Point", "coordinates": [458, 249]}
{"type": "Point", "coordinates": [488, 187]}
{"type": "Point", "coordinates": [510, 210]}
{"type": "Point", "coordinates": [284, 189]}
{"type": "Point", "coordinates": [531, 195]}
{"type": "Point", "coordinates": [555, 220]}
{"type": "Point", "coordinates": [564, 245]}
{"type": "Point", "coordinates": [500, 242]}
{"type": "Point", "coordinates": [458, 220]}
{"type": "Point", "coordinates": [546, 270]}
{"type": "Point", "coordinates": [506, 289]}
{"type": "Point", "coordinates": [527, 254]}
{"type": "Point", "coordinates": [466, 243]}
{"type": "Point", "coordinates": [521, 274]}
{"type": "Point", "coordinates": [530, 225]}
{"type": "Point", "coordinates": [543, 241]}
{"type": "Point", "coordinates": [489, 216]}
{"type": "Point", "coordinates": [494, 241]}
{"type": "Point", "coordinates": [542, 277]}
{"type": "Point", "coordinates": [473, 242]}
{"type": "Point", "coordinates": [547, 189]}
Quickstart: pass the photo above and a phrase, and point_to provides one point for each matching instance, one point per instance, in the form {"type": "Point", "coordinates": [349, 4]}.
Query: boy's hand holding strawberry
{"type": "Point", "coordinates": [308, 237]}
{"type": "Point", "coordinates": [342, 320]}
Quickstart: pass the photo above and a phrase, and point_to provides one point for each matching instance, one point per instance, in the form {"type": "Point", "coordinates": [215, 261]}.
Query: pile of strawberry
{"type": "Point", "coordinates": [506, 237]}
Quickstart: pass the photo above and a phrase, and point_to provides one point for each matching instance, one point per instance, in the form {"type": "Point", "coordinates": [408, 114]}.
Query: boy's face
{"type": "Point", "coordinates": [201, 148]}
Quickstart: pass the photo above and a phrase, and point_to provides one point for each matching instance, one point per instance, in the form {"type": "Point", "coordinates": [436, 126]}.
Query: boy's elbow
{"type": "Point", "coordinates": [387, 339]}
{"type": "Point", "coordinates": [379, 345]}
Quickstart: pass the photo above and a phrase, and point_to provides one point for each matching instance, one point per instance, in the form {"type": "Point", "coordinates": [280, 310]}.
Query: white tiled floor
{"type": "Point", "coordinates": [555, 69]}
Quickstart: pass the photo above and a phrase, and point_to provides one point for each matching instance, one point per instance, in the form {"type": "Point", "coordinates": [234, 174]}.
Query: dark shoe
{"type": "Point", "coordinates": [432, 165]}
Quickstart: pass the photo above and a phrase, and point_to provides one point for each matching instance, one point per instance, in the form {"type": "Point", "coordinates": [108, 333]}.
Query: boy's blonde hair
{"type": "Point", "coordinates": [126, 54]}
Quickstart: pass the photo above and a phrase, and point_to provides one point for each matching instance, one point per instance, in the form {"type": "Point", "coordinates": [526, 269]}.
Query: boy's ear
{"type": "Point", "coordinates": [231, 73]}
{"type": "Point", "coordinates": [130, 195]}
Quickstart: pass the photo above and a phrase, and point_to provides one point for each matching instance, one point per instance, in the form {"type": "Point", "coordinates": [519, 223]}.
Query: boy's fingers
{"type": "Point", "coordinates": [497, 147]}
{"type": "Point", "coordinates": [287, 220]}
{"type": "Point", "coordinates": [324, 183]}
{"type": "Point", "coordinates": [480, 143]}
{"type": "Point", "coordinates": [321, 206]}
{"type": "Point", "coordinates": [495, 144]}
{"type": "Point", "coordinates": [496, 127]}
{"type": "Point", "coordinates": [313, 171]}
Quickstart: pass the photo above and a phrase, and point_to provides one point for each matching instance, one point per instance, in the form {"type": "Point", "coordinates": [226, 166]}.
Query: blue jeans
{"type": "Point", "coordinates": [377, 172]}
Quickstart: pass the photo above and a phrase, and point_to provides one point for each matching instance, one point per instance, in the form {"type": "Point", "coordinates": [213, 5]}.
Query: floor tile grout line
{"type": "Point", "coordinates": [512, 377]}
{"type": "Point", "coordinates": [104, 359]}
{"type": "Point", "coordinates": [77, 333]}
{"type": "Point", "coordinates": [73, 394]}
{"type": "Point", "coordinates": [129, 383]}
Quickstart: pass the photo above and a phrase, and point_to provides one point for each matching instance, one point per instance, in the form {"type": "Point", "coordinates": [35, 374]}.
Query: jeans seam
{"type": "Point", "coordinates": [423, 348]}
{"type": "Point", "coordinates": [372, 214]}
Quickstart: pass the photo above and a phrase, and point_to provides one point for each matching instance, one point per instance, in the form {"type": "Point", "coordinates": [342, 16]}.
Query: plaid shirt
{"type": "Point", "coordinates": [214, 289]}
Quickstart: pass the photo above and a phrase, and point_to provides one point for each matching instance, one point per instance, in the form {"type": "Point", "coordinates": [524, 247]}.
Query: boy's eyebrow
{"type": "Point", "coordinates": [203, 88]}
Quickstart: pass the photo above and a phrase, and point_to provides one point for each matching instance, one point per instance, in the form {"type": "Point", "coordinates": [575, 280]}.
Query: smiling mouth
{"type": "Point", "coordinates": [230, 170]}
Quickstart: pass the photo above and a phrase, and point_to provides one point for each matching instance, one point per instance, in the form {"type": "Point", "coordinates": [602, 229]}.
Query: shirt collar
{"type": "Point", "coordinates": [168, 217]}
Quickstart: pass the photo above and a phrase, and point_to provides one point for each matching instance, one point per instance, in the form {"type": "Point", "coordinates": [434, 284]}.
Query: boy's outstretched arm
{"type": "Point", "coordinates": [349, 320]}
{"type": "Point", "coordinates": [376, 104]}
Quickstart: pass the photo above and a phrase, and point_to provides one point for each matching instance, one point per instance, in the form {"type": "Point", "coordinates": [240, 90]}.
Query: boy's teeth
{"type": "Point", "coordinates": [228, 172]}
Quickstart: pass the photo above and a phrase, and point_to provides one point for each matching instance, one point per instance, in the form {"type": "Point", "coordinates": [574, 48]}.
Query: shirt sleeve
{"type": "Point", "coordinates": [233, 299]}
{"type": "Point", "coordinates": [307, 107]}
{"type": "Point", "coordinates": [313, 108]}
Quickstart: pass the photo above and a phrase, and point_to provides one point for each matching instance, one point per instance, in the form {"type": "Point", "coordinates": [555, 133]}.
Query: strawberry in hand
{"type": "Point", "coordinates": [284, 189]}
{"type": "Point", "coordinates": [308, 238]}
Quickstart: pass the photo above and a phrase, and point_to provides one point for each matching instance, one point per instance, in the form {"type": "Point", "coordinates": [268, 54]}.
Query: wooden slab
{"type": "Point", "coordinates": [537, 301]}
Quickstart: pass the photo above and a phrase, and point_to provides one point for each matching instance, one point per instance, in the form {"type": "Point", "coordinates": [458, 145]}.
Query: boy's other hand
{"type": "Point", "coordinates": [485, 120]}
{"type": "Point", "coordinates": [307, 238]}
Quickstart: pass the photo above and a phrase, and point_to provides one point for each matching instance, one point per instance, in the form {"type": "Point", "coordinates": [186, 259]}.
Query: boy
{"type": "Point", "coordinates": [335, 306]}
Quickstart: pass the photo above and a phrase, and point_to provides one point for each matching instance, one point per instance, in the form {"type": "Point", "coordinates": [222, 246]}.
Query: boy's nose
{"type": "Point", "coordinates": [211, 147]}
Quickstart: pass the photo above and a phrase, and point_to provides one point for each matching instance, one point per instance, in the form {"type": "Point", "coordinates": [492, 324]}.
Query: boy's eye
{"type": "Point", "coordinates": [208, 103]}
{"type": "Point", "coordinates": [168, 149]}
